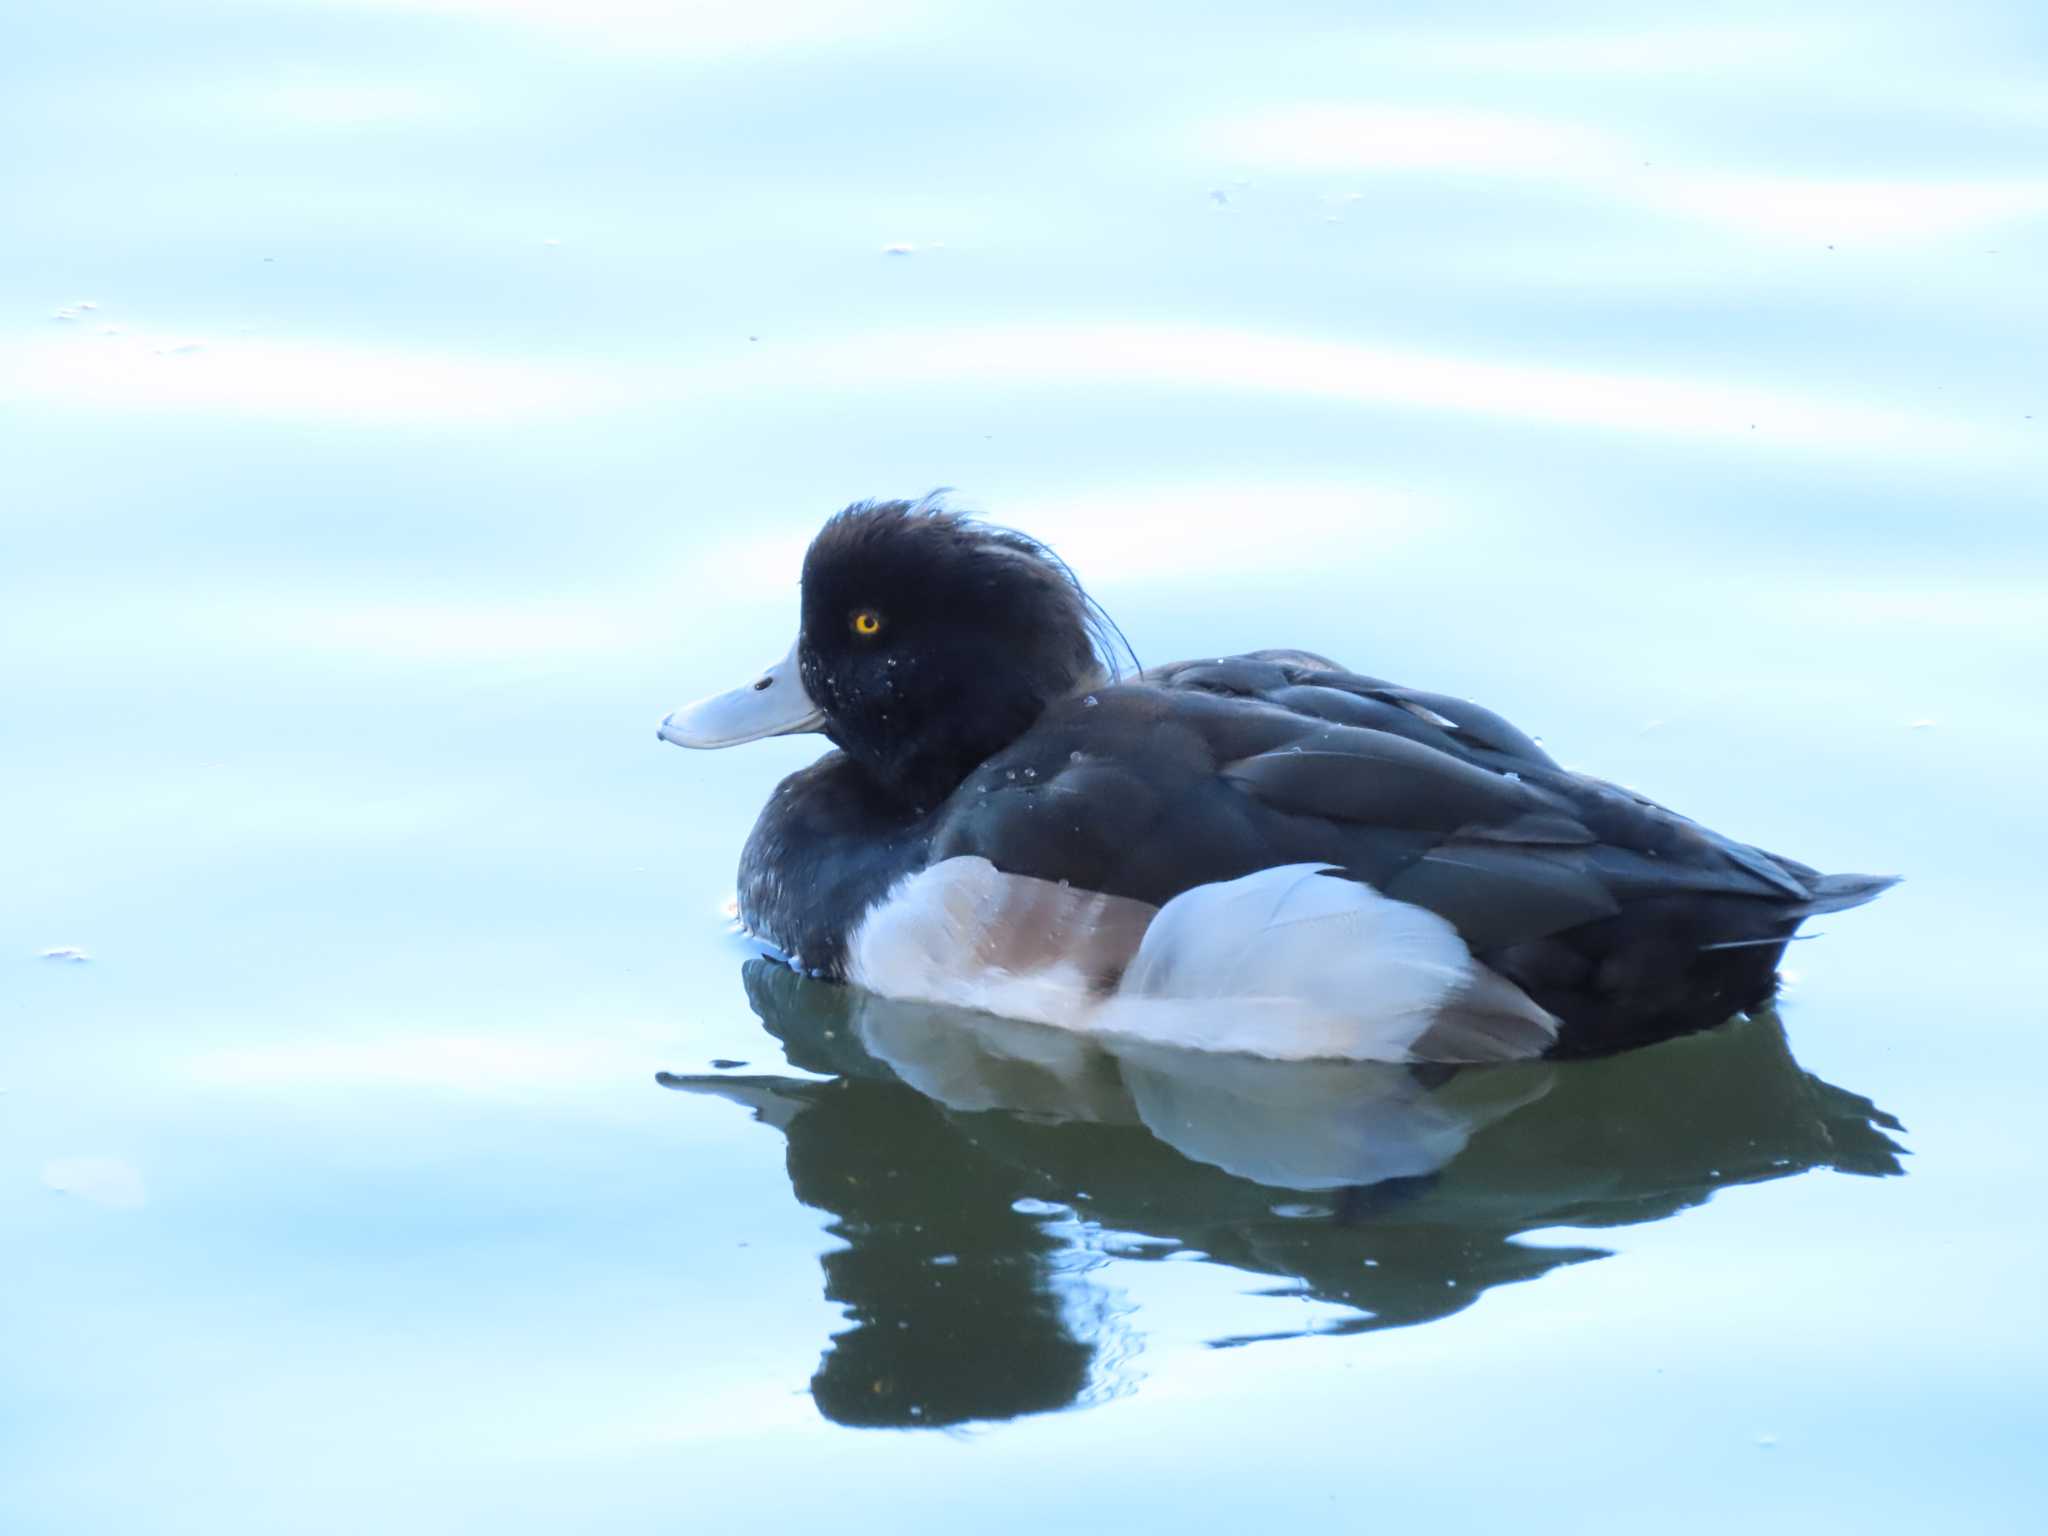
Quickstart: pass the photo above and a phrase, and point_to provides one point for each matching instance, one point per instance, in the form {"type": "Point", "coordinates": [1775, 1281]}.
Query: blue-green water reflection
{"type": "Point", "coordinates": [978, 1170]}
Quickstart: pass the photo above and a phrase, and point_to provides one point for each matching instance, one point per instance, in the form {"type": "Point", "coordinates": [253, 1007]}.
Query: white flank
{"type": "Point", "coordinates": [1287, 963]}
{"type": "Point", "coordinates": [963, 933]}
{"type": "Point", "coordinates": [1292, 963]}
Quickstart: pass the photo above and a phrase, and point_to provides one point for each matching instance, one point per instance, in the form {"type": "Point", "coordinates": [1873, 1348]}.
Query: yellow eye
{"type": "Point", "coordinates": [867, 622]}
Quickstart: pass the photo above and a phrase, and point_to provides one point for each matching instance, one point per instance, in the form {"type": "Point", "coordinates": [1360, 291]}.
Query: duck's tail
{"type": "Point", "coordinates": [1838, 893]}
{"type": "Point", "coordinates": [1825, 893]}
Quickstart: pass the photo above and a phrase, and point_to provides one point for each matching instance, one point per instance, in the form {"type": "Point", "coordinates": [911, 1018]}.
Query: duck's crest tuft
{"type": "Point", "coordinates": [862, 525]}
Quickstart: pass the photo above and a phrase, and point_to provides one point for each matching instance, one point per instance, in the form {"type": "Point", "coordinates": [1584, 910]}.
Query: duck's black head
{"type": "Point", "coordinates": [929, 642]}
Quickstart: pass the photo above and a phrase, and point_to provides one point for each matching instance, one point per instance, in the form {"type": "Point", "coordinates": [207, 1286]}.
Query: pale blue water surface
{"type": "Point", "coordinates": [405, 404]}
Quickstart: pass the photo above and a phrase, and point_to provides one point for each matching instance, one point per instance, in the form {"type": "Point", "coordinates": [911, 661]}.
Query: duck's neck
{"type": "Point", "coordinates": [919, 762]}
{"type": "Point", "coordinates": [828, 845]}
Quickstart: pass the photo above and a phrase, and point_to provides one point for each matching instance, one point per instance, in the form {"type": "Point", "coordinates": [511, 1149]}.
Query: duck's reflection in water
{"type": "Point", "coordinates": [972, 1165]}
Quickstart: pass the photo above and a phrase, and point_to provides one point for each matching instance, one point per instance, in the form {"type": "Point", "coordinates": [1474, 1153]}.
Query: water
{"type": "Point", "coordinates": [460, 386]}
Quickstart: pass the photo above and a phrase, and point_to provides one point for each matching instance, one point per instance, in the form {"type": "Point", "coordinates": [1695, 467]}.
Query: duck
{"type": "Point", "coordinates": [1262, 853]}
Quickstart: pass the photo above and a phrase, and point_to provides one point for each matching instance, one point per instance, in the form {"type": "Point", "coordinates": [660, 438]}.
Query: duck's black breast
{"type": "Point", "coordinates": [825, 849]}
